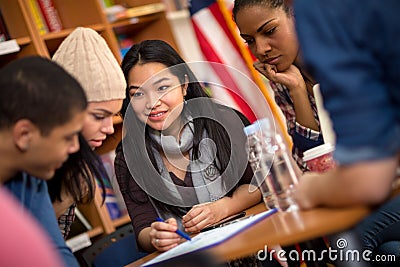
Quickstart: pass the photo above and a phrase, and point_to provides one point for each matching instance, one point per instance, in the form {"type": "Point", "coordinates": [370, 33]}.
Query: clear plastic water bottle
{"type": "Point", "coordinates": [283, 180]}
{"type": "Point", "coordinates": [272, 167]}
{"type": "Point", "coordinates": [258, 159]}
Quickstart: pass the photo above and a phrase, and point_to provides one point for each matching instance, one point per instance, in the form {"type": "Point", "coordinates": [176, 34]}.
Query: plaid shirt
{"type": "Point", "coordinates": [303, 138]}
{"type": "Point", "coordinates": [65, 221]}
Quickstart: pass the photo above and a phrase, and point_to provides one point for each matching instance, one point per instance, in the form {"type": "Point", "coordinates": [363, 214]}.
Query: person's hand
{"type": "Point", "coordinates": [291, 77]}
{"type": "Point", "coordinates": [163, 236]}
{"type": "Point", "coordinates": [305, 191]}
{"type": "Point", "coordinates": [202, 215]}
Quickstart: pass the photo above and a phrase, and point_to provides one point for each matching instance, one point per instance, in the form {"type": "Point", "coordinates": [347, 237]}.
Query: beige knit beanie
{"type": "Point", "coordinates": [87, 57]}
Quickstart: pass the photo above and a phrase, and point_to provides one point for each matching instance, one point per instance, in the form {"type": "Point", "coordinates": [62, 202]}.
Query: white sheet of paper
{"type": "Point", "coordinates": [210, 238]}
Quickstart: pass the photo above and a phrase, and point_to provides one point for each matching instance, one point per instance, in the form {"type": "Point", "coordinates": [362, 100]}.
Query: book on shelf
{"type": "Point", "coordinates": [137, 11]}
{"type": "Point", "coordinates": [9, 46]}
{"type": "Point", "coordinates": [50, 15]}
{"type": "Point", "coordinates": [125, 43]}
{"type": "Point", "coordinates": [175, 5]}
{"type": "Point", "coordinates": [106, 3]}
{"type": "Point", "coordinates": [79, 242]}
{"type": "Point", "coordinates": [38, 17]}
{"type": "Point", "coordinates": [144, 10]}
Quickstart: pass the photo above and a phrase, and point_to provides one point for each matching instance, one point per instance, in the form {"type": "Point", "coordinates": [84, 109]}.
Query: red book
{"type": "Point", "coordinates": [50, 15]}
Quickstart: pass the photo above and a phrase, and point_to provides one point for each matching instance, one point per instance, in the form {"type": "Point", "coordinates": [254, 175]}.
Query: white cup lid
{"type": "Point", "coordinates": [317, 151]}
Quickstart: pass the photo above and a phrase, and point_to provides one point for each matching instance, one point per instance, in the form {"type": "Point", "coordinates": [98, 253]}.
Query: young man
{"type": "Point", "coordinates": [42, 109]}
{"type": "Point", "coordinates": [353, 51]}
{"type": "Point", "coordinates": [355, 56]}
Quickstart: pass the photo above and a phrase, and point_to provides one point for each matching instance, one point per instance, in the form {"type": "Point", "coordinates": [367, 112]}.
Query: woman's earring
{"type": "Point", "coordinates": [24, 147]}
{"type": "Point", "coordinates": [184, 101]}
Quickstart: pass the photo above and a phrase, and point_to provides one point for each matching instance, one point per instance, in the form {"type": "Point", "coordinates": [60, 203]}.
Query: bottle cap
{"type": "Point", "coordinates": [250, 129]}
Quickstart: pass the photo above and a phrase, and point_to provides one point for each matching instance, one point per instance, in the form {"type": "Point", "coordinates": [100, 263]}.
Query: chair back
{"type": "Point", "coordinates": [116, 249]}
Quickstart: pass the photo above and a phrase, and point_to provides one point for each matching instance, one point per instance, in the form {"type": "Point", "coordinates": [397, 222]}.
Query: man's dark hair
{"type": "Point", "coordinates": [37, 89]}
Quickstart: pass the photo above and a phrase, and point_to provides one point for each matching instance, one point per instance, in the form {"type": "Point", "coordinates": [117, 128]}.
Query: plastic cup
{"type": "Point", "coordinates": [320, 158]}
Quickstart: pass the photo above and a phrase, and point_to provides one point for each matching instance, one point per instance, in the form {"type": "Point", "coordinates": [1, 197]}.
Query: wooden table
{"type": "Point", "coordinates": [283, 228]}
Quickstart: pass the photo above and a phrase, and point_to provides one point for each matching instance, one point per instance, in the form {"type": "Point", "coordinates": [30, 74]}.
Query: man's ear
{"type": "Point", "coordinates": [23, 133]}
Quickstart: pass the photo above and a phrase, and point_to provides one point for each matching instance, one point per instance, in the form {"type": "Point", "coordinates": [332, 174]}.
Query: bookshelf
{"type": "Point", "coordinates": [20, 22]}
{"type": "Point", "coordinates": [73, 13]}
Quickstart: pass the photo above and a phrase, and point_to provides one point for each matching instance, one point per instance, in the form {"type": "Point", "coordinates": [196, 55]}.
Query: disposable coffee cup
{"type": "Point", "coordinates": [320, 158]}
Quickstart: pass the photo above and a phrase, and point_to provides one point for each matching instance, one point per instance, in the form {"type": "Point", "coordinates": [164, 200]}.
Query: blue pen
{"type": "Point", "coordinates": [179, 232]}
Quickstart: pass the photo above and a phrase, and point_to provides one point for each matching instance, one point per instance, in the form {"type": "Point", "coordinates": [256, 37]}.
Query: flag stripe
{"type": "Point", "coordinates": [224, 75]}
{"type": "Point", "coordinates": [219, 17]}
{"type": "Point", "coordinates": [213, 40]}
{"type": "Point", "coordinates": [216, 37]}
{"type": "Point", "coordinates": [218, 45]}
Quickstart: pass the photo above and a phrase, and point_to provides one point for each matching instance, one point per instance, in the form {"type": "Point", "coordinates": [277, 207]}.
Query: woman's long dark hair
{"type": "Point", "coordinates": [78, 175]}
{"type": "Point", "coordinates": [157, 51]}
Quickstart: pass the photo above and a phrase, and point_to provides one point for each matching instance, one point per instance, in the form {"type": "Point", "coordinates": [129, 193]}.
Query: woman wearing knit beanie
{"type": "Point", "coordinates": [87, 57]}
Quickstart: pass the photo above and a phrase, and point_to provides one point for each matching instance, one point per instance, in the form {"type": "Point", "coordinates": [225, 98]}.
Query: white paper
{"type": "Point", "coordinates": [79, 242]}
{"type": "Point", "coordinates": [8, 47]}
{"type": "Point", "coordinates": [210, 238]}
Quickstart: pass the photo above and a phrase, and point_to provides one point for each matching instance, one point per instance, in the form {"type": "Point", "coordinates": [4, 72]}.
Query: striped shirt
{"type": "Point", "coordinates": [303, 138]}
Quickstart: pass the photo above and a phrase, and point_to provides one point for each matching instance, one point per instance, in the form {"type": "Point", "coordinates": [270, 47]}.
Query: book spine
{"type": "Point", "coordinates": [108, 3]}
{"type": "Point", "coordinates": [143, 10]}
{"type": "Point", "coordinates": [38, 17]}
{"type": "Point", "coordinates": [50, 15]}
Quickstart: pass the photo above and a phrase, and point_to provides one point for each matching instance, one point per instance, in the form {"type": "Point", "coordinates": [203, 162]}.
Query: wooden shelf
{"type": "Point", "coordinates": [136, 20]}
{"type": "Point", "coordinates": [54, 39]}
{"type": "Point", "coordinates": [96, 231]}
{"type": "Point", "coordinates": [23, 41]}
{"type": "Point", "coordinates": [64, 33]}
{"type": "Point", "coordinates": [135, 24]}
{"type": "Point", "coordinates": [121, 221]}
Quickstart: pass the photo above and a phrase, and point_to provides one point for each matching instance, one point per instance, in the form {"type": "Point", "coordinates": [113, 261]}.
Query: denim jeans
{"type": "Point", "coordinates": [380, 231]}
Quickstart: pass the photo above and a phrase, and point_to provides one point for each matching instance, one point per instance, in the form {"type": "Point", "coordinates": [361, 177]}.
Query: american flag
{"type": "Point", "coordinates": [218, 45]}
{"type": "Point", "coordinates": [220, 42]}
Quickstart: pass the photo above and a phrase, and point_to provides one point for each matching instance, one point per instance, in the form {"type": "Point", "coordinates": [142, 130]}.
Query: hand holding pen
{"type": "Point", "coordinates": [179, 232]}
{"type": "Point", "coordinates": [163, 234]}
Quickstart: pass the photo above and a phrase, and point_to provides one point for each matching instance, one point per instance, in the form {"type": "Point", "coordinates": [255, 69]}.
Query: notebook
{"type": "Point", "coordinates": [210, 238]}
